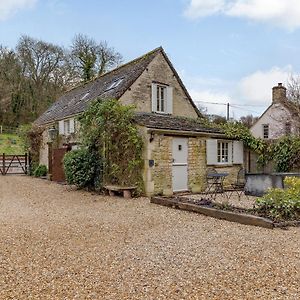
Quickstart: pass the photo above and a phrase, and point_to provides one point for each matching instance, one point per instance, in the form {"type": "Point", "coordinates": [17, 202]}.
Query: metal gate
{"type": "Point", "coordinates": [13, 164]}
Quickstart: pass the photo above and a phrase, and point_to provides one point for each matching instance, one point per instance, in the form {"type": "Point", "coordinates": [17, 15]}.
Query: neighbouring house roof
{"type": "Point", "coordinates": [169, 122]}
{"type": "Point", "coordinates": [112, 84]}
{"type": "Point", "coordinates": [291, 107]}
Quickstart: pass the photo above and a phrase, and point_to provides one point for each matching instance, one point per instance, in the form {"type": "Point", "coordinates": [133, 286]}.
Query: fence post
{"type": "Point", "coordinates": [26, 163]}
{"type": "Point", "coordinates": [3, 160]}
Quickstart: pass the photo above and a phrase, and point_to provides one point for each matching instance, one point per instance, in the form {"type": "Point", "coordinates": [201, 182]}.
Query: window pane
{"type": "Point", "coordinates": [266, 131]}
{"type": "Point", "coordinates": [157, 103]}
{"type": "Point", "coordinates": [161, 98]}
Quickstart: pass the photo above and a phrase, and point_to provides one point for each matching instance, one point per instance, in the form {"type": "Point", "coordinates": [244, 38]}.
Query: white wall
{"type": "Point", "coordinates": [44, 149]}
{"type": "Point", "coordinates": [276, 116]}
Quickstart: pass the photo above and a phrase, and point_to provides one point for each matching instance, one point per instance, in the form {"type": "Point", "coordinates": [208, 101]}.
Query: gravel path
{"type": "Point", "coordinates": [56, 243]}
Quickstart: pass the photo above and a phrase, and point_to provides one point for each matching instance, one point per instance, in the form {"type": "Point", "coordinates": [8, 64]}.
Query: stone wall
{"type": "Point", "coordinates": [196, 164]}
{"type": "Point", "coordinates": [232, 171]}
{"type": "Point", "coordinates": [60, 142]}
{"type": "Point", "coordinates": [158, 178]}
{"type": "Point", "coordinates": [140, 92]}
{"type": "Point", "coordinates": [44, 149]}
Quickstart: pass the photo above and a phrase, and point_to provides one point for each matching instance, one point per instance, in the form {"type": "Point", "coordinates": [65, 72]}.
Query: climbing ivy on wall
{"type": "Point", "coordinates": [32, 139]}
{"type": "Point", "coordinates": [107, 127]}
{"type": "Point", "coordinates": [241, 132]}
{"type": "Point", "coordinates": [284, 152]}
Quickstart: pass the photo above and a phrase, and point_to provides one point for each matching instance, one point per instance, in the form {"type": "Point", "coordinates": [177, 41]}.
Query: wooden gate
{"type": "Point", "coordinates": [57, 167]}
{"type": "Point", "coordinates": [13, 164]}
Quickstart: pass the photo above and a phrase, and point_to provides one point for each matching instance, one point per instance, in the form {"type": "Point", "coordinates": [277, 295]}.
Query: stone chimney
{"type": "Point", "coordinates": [279, 93]}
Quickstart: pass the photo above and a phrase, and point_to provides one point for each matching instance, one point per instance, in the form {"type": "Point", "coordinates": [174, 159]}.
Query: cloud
{"type": "Point", "coordinates": [9, 7]}
{"type": "Point", "coordinates": [250, 94]}
{"type": "Point", "coordinates": [201, 97]}
{"type": "Point", "coordinates": [202, 8]}
{"type": "Point", "coordinates": [256, 88]}
{"type": "Point", "coordinates": [277, 12]}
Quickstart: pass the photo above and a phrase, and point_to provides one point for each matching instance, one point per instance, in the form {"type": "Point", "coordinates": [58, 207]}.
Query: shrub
{"type": "Point", "coordinates": [281, 204]}
{"type": "Point", "coordinates": [82, 168]}
{"type": "Point", "coordinates": [40, 171]}
{"type": "Point", "coordinates": [108, 127]}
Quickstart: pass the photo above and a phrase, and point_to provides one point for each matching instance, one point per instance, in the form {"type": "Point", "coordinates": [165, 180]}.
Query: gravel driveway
{"type": "Point", "coordinates": [56, 243]}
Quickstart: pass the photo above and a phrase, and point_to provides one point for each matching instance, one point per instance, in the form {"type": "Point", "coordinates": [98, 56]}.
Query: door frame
{"type": "Point", "coordinates": [180, 164]}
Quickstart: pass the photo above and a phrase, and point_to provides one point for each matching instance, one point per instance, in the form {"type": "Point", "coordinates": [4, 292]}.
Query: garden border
{"type": "Point", "coordinates": [241, 218]}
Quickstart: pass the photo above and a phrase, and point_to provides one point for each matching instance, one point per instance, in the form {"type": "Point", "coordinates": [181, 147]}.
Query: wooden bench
{"type": "Point", "coordinates": [125, 190]}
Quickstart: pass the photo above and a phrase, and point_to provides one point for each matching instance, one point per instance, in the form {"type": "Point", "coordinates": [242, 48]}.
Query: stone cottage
{"type": "Point", "coordinates": [279, 119]}
{"type": "Point", "coordinates": [178, 148]}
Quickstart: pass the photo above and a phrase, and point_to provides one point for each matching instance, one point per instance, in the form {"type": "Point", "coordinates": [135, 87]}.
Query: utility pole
{"type": "Point", "coordinates": [227, 112]}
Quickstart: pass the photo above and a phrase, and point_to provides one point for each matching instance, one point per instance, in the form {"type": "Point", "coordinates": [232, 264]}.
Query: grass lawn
{"type": "Point", "coordinates": [11, 144]}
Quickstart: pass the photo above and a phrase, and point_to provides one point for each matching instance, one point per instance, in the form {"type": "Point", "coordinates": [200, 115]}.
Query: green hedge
{"type": "Point", "coordinates": [83, 168]}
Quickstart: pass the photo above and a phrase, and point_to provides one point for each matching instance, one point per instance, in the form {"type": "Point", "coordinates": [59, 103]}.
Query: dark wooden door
{"type": "Point", "coordinates": [58, 173]}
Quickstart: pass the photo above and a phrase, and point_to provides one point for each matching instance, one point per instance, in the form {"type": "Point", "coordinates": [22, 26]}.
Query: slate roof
{"type": "Point", "coordinates": [168, 122]}
{"type": "Point", "coordinates": [293, 108]}
{"type": "Point", "coordinates": [77, 100]}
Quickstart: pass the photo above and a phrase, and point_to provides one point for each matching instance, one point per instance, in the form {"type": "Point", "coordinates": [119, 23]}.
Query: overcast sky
{"type": "Point", "coordinates": [225, 50]}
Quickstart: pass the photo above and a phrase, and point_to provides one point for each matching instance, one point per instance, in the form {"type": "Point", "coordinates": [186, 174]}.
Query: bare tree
{"type": "Point", "coordinates": [91, 58]}
{"type": "Point", "coordinates": [293, 89]}
{"type": "Point", "coordinates": [35, 73]}
{"type": "Point", "coordinates": [84, 55]}
{"type": "Point", "coordinates": [107, 58]}
{"type": "Point", "coordinates": [41, 61]}
{"type": "Point", "coordinates": [248, 120]}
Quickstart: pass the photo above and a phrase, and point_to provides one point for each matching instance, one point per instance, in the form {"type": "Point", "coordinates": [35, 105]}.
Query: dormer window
{"type": "Point", "coordinates": [114, 84]}
{"type": "Point", "coordinates": [162, 98]}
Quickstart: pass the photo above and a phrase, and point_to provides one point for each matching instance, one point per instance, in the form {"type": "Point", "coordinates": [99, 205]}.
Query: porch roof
{"type": "Point", "coordinates": [168, 122]}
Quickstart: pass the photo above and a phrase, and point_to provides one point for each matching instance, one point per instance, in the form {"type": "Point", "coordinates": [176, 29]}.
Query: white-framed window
{"type": "Point", "coordinates": [162, 98]}
{"type": "Point", "coordinates": [66, 127]}
{"type": "Point", "coordinates": [223, 153]}
{"type": "Point", "coordinates": [266, 131]}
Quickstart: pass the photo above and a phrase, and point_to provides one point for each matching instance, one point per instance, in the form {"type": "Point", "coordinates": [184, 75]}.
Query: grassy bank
{"type": "Point", "coordinates": [11, 144]}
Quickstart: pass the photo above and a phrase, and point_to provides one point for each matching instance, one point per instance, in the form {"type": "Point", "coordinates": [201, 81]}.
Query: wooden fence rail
{"type": "Point", "coordinates": [13, 164]}
{"type": "Point", "coordinates": [8, 129]}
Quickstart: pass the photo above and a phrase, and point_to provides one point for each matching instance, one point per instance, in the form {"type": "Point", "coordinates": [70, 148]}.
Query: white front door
{"type": "Point", "coordinates": [180, 164]}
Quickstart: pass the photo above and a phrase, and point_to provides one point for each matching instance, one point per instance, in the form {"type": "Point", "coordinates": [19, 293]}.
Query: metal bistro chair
{"type": "Point", "coordinates": [213, 185]}
{"type": "Point", "coordinates": [238, 187]}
